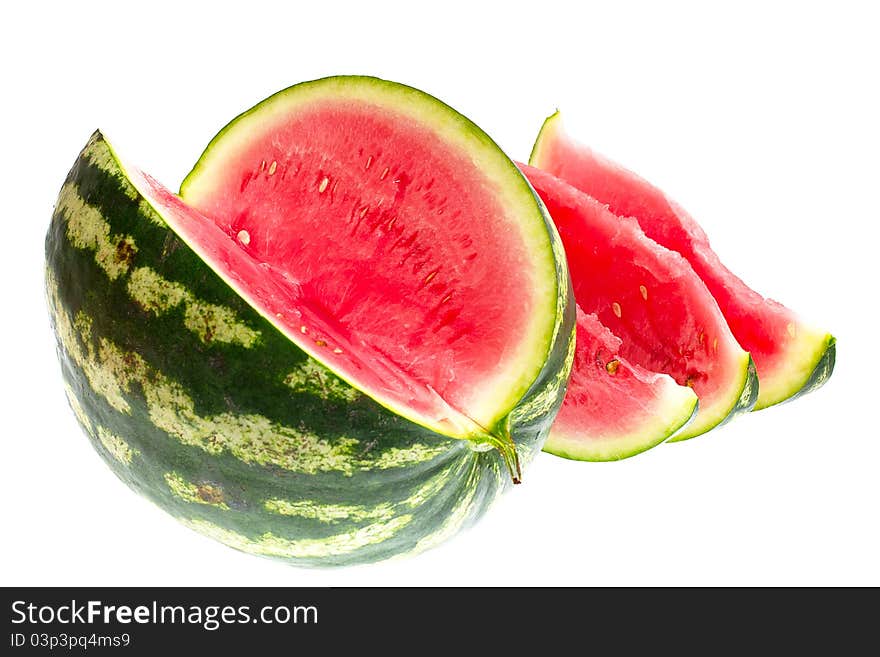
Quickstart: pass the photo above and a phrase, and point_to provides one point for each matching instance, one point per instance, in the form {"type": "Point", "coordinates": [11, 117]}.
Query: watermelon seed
{"type": "Point", "coordinates": [612, 365]}
{"type": "Point", "coordinates": [369, 162]}
{"type": "Point", "coordinates": [303, 330]}
{"type": "Point", "coordinates": [244, 237]}
{"type": "Point", "coordinates": [715, 345]}
{"type": "Point", "coordinates": [644, 292]}
{"type": "Point", "coordinates": [430, 277]}
{"type": "Point", "coordinates": [337, 350]}
{"type": "Point", "coordinates": [279, 315]}
{"type": "Point", "coordinates": [616, 308]}
{"type": "Point", "coordinates": [272, 167]}
{"type": "Point", "coordinates": [320, 343]}
{"type": "Point", "coordinates": [323, 185]}
{"type": "Point", "coordinates": [384, 173]}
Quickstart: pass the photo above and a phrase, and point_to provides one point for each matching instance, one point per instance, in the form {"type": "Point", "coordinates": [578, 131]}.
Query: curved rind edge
{"type": "Point", "coordinates": [745, 402]}
{"type": "Point", "coordinates": [639, 445]}
{"type": "Point", "coordinates": [820, 374]}
{"type": "Point", "coordinates": [549, 122]}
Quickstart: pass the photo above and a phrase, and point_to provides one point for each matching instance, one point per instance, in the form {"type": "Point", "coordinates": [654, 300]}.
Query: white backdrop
{"type": "Point", "coordinates": [761, 119]}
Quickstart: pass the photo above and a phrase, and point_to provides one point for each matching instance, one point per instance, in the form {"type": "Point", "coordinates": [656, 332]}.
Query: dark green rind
{"type": "Point", "coordinates": [746, 401]}
{"type": "Point", "coordinates": [238, 381]}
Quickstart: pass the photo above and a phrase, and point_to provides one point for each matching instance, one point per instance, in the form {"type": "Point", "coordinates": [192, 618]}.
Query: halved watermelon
{"type": "Point", "coordinates": [318, 375]}
{"type": "Point", "coordinates": [614, 409]}
{"type": "Point", "coordinates": [650, 297]}
{"type": "Point", "coordinates": [792, 357]}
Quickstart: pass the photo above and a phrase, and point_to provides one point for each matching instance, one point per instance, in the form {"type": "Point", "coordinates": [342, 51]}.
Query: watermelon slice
{"type": "Point", "coordinates": [792, 357]}
{"type": "Point", "coordinates": [614, 409]}
{"type": "Point", "coordinates": [651, 298]}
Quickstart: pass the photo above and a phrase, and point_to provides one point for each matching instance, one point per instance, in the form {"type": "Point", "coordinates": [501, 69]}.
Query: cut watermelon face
{"type": "Point", "coordinates": [652, 300]}
{"type": "Point", "coordinates": [614, 409]}
{"type": "Point", "coordinates": [792, 357]}
{"type": "Point", "coordinates": [387, 237]}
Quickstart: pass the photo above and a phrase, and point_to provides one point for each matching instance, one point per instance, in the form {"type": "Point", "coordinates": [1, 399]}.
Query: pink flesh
{"type": "Point", "coordinates": [672, 326]}
{"type": "Point", "coordinates": [760, 325]}
{"type": "Point", "coordinates": [606, 400]}
{"type": "Point", "coordinates": [372, 240]}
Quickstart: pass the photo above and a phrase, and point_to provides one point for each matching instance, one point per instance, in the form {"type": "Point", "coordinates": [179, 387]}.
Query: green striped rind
{"type": "Point", "coordinates": [198, 403]}
{"type": "Point", "coordinates": [744, 402]}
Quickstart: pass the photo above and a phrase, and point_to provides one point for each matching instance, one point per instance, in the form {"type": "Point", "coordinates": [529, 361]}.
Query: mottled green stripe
{"type": "Point", "coordinates": [310, 375]}
{"type": "Point", "coordinates": [196, 493]}
{"type": "Point", "coordinates": [317, 510]}
{"type": "Point", "coordinates": [111, 372]}
{"type": "Point", "coordinates": [212, 323]}
{"type": "Point", "coordinates": [100, 156]}
{"type": "Point", "coordinates": [270, 545]}
{"type": "Point", "coordinates": [77, 409]}
{"type": "Point", "coordinates": [324, 512]}
{"type": "Point", "coordinates": [87, 229]}
{"type": "Point", "coordinates": [116, 446]}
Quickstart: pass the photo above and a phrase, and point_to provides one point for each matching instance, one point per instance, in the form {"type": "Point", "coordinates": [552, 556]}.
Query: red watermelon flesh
{"type": "Point", "coordinates": [791, 356]}
{"type": "Point", "coordinates": [652, 300]}
{"type": "Point", "coordinates": [613, 408]}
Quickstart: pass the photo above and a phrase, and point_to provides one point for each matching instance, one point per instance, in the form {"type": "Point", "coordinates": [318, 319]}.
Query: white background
{"type": "Point", "coordinates": [761, 119]}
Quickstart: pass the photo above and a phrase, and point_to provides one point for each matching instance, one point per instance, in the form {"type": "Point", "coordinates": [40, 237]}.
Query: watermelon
{"type": "Point", "coordinates": [792, 356]}
{"type": "Point", "coordinates": [614, 409]}
{"type": "Point", "coordinates": [653, 301]}
{"type": "Point", "coordinates": [244, 377]}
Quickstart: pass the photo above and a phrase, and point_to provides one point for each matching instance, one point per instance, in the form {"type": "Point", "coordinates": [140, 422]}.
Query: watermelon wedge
{"type": "Point", "coordinates": [653, 301]}
{"type": "Point", "coordinates": [614, 409]}
{"type": "Point", "coordinates": [349, 362]}
{"type": "Point", "coordinates": [792, 357]}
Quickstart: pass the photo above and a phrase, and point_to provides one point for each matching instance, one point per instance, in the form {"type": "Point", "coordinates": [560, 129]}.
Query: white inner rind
{"type": "Point", "coordinates": [800, 358]}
